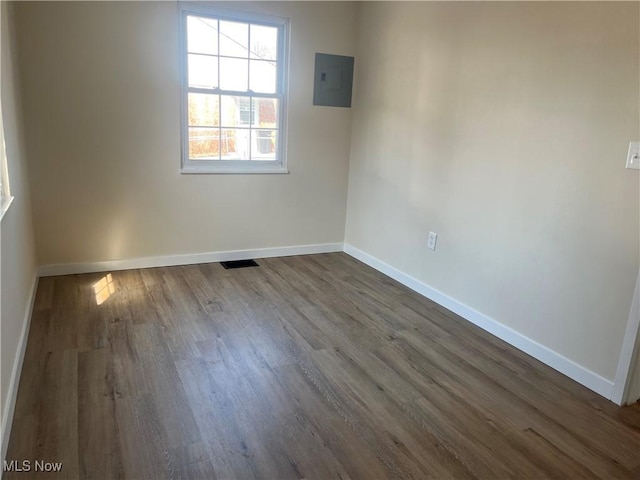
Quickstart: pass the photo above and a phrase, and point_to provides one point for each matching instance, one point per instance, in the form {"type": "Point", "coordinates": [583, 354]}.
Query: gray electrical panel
{"type": "Point", "coordinates": [333, 80]}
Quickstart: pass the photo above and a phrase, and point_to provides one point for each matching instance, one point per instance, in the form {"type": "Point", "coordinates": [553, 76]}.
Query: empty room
{"type": "Point", "coordinates": [308, 239]}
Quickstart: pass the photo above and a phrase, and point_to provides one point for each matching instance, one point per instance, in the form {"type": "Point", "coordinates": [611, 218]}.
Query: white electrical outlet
{"type": "Point", "coordinates": [633, 157]}
{"type": "Point", "coordinates": [431, 243]}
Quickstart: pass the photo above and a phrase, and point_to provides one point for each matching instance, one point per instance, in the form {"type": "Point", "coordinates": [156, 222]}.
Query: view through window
{"type": "Point", "coordinates": [235, 91]}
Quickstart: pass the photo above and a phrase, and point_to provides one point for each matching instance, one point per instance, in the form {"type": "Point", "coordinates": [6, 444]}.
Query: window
{"type": "Point", "coordinates": [234, 91]}
{"type": "Point", "coordinates": [5, 195]}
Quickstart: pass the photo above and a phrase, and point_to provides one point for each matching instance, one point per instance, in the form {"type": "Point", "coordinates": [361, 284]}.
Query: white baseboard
{"type": "Point", "coordinates": [547, 356]}
{"type": "Point", "coordinates": [14, 383]}
{"type": "Point", "coordinates": [190, 259]}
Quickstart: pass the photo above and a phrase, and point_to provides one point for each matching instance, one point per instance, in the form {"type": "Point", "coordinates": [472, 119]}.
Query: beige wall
{"type": "Point", "coordinates": [18, 261]}
{"type": "Point", "coordinates": [102, 100]}
{"type": "Point", "coordinates": [504, 128]}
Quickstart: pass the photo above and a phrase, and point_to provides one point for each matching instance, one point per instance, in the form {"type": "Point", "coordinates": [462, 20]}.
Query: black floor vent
{"type": "Point", "coordinates": [239, 264]}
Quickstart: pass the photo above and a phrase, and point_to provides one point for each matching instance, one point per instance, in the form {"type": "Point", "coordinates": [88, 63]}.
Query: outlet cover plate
{"type": "Point", "coordinates": [431, 242]}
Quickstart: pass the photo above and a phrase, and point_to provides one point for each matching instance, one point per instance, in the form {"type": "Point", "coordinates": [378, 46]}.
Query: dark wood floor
{"type": "Point", "coordinates": [305, 367]}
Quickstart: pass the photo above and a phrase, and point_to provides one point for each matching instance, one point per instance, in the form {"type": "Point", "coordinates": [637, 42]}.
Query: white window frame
{"type": "Point", "coordinates": [279, 165]}
{"type": "Point", "coordinates": [5, 192]}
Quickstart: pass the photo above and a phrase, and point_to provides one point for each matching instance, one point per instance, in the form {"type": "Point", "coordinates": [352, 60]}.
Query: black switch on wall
{"type": "Point", "coordinates": [333, 80]}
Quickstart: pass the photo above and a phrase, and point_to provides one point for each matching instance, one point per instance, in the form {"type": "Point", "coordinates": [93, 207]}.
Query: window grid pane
{"type": "Point", "coordinates": [263, 42]}
{"type": "Point", "coordinates": [263, 76]}
{"type": "Point", "coordinates": [234, 74]}
{"type": "Point", "coordinates": [202, 35]}
{"type": "Point", "coordinates": [265, 112]}
{"type": "Point", "coordinates": [204, 143]}
{"type": "Point", "coordinates": [234, 38]}
{"type": "Point", "coordinates": [203, 110]}
{"type": "Point", "coordinates": [236, 111]}
{"type": "Point", "coordinates": [203, 71]}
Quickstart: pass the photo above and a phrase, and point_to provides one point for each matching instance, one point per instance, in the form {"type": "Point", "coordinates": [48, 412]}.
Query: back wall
{"type": "Point", "coordinates": [101, 88]}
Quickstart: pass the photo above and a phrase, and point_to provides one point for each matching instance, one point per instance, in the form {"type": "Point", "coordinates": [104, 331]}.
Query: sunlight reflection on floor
{"type": "Point", "coordinates": [103, 289]}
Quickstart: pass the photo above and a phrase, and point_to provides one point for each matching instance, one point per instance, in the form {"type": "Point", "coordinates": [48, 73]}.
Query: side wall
{"type": "Point", "coordinates": [18, 262]}
{"type": "Point", "coordinates": [504, 128]}
{"type": "Point", "coordinates": [101, 85]}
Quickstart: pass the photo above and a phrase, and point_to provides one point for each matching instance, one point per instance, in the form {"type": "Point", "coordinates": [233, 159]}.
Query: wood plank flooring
{"type": "Point", "coordinates": [305, 367]}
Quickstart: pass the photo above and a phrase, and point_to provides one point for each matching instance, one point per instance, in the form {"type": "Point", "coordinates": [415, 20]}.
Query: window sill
{"type": "Point", "coordinates": [5, 203]}
{"type": "Point", "coordinates": [238, 169]}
